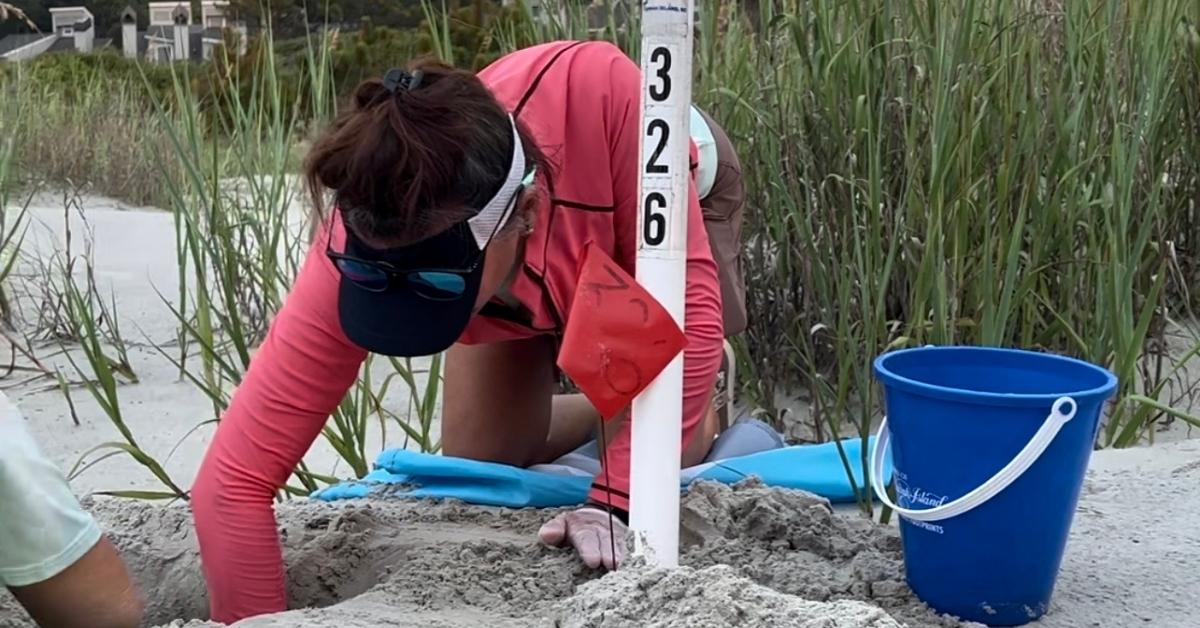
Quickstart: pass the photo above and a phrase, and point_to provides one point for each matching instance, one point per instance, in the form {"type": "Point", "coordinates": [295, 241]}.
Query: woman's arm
{"type": "Point", "coordinates": [295, 381]}
{"type": "Point", "coordinates": [702, 318]}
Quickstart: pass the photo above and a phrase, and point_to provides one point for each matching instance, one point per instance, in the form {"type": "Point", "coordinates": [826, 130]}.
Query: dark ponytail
{"type": "Point", "coordinates": [405, 164]}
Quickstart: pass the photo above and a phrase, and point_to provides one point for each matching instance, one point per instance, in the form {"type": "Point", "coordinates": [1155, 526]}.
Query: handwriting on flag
{"type": "Point", "coordinates": [618, 337]}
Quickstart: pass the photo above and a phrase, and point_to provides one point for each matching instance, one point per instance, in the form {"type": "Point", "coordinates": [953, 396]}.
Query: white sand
{"type": "Point", "coordinates": [1131, 559]}
{"type": "Point", "coordinates": [1135, 545]}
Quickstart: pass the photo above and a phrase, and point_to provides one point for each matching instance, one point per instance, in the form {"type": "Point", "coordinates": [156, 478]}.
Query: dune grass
{"type": "Point", "coordinates": [997, 173]}
{"type": "Point", "coordinates": [82, 127]}
{"type": "Point", "coordinates": [223, 164]}
{"type": "Point", "coordinates": [12, 227]}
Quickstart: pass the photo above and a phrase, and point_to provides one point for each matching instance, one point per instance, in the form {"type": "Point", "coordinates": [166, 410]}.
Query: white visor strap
{"type": "Point", "coordinates": [495, 214]}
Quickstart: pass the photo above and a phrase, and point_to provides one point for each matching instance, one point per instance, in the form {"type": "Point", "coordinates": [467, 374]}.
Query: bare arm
{"type": "Point", "coordinates": [53, 556]}
{"type": "Point", "coordinates": [96, 591]}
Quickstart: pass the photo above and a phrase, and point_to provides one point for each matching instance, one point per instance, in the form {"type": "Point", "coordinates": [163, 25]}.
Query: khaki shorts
{"type": "Point", "coordinates": [723, 210]}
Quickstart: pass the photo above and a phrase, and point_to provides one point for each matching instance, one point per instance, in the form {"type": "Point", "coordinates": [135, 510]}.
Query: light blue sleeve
{"type": "Point", "coordinates": [43, 528]}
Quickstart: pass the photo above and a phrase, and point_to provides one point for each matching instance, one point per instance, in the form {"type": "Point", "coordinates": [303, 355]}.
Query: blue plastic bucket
{"type": "Point", "coordinates": [989, 448]}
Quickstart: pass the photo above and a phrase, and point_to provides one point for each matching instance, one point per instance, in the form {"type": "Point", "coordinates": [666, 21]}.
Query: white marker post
{"type": "Point", "coordinates": [662, 270]}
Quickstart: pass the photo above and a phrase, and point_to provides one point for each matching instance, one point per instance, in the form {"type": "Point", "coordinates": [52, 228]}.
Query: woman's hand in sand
{"type": "Point", "coordinates": [588, 531]}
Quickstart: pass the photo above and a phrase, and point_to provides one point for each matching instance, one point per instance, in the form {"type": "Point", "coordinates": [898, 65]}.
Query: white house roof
{"type": "Point", "coordinates": [13, 42]}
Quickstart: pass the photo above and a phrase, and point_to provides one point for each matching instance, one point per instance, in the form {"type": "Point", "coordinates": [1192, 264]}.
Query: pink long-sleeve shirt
{"type": "Point", "coordinates": [581, 102]}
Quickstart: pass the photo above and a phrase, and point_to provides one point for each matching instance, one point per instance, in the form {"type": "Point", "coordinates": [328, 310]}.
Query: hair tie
{"type": "Point", "coordinates": [397, 79]}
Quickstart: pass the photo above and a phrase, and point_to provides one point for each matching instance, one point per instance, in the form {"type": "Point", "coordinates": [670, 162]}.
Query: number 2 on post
{"type": "Point", "coordinates": [654, 220]}
{"type": "Point", "coordinates": [658, 127]}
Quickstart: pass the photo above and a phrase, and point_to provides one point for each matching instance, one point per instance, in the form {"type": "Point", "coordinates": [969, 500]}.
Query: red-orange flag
{"type": "Point", "coordinates": [618, 337]}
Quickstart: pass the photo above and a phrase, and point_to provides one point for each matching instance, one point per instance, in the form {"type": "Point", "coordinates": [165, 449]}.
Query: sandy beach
{"type": "Point", "coordinates": [753, 556]}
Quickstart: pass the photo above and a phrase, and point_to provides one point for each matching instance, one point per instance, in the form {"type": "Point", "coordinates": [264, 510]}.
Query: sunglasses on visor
{"type": "Point", "coordinates": [434, 284]}
{"type": "Point", "coordinates": [446, 284]}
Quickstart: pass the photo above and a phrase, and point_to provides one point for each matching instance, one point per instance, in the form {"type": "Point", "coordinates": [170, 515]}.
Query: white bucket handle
{"type": "Point", "coordinates": [1057, 418]}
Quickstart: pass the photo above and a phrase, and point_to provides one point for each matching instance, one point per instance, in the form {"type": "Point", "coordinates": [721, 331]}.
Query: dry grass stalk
{"type": "Point", "coordinates": [10, 12]}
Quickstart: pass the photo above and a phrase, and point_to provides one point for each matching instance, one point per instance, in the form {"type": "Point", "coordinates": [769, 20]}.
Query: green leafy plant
{"type": "Point", "coordinates": [105, 364]}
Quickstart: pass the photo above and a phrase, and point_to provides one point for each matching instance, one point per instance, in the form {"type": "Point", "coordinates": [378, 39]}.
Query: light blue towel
{"type": "Point", "coordinates": [406, 474]}
{"type": "Point", "coordinates": [409, 474]}
{"type": "Point", "coordinates": [814, 468]}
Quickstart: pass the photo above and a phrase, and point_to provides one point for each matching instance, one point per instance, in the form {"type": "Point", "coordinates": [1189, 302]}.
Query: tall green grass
{"type": "Point", "coordinates": [998, 173]}
{"type": "Point", "coordinates": [81, 126]}
{"type": "Point", "coordinates": [101, 377]}
{"type": "Point", "coordinates": [12, 227]}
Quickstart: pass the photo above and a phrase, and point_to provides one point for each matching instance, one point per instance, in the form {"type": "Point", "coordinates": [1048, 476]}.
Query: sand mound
{"type": "Point", "coordinates": [793, 542]}
{"type": "Point", "coordinates": [759, 556]}
{"type": "Point", "coordinates": [714, 597]}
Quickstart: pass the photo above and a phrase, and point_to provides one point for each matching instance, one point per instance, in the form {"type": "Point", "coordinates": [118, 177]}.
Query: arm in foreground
{"type": "Point", "coordinates": [53, 557]}
{"type": "Point", "coordinates": [96, 591]}
{"type": "Point", "coordinates": [295, 381]}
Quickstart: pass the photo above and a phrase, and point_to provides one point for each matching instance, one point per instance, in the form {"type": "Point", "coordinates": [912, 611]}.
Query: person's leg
{"type": "Point", "coordinates": [575, 422]}
{"type": "Point", "coordinates": [499, 406]}
{"type": "Point", "coordinates": [693, 453]}
{"type": "Point", "coordinates": [497, 401]}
